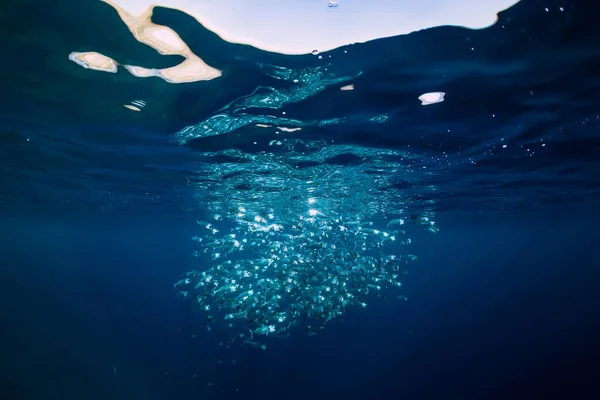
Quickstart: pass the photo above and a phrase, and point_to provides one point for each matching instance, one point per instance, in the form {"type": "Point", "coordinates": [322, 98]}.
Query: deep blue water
{"type": "Point", "coordinates": [98, 205]}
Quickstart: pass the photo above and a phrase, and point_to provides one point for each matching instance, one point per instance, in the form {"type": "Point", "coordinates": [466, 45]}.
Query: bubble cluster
{"type": "Point", "coordinates": [269, 277]}
{"type": "Point", "coordinates": [295, 238]}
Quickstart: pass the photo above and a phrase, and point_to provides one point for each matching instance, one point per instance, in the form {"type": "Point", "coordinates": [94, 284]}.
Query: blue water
{"type": "Point", "coordinates": [98, 205]}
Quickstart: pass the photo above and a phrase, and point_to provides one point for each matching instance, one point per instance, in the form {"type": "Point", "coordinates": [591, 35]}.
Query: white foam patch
{"type": "Point", "coordinates": [95, 61]}
{"type": "Point", "coordinates": [432, 98]}
{"type": "Point", "coordinates": [132, 107]}
{"type": "Point", "coordinates": [162, 38]}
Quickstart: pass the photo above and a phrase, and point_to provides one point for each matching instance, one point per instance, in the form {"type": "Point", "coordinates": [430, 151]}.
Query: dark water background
{"type": "Point", "coordinates": [501, 309]}
{"type": "Point", "coordinates": [97, 212]}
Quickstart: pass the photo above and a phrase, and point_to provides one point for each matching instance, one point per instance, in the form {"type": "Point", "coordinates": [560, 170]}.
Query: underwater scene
{"type": "Point", "coordinates": [300, 199]}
